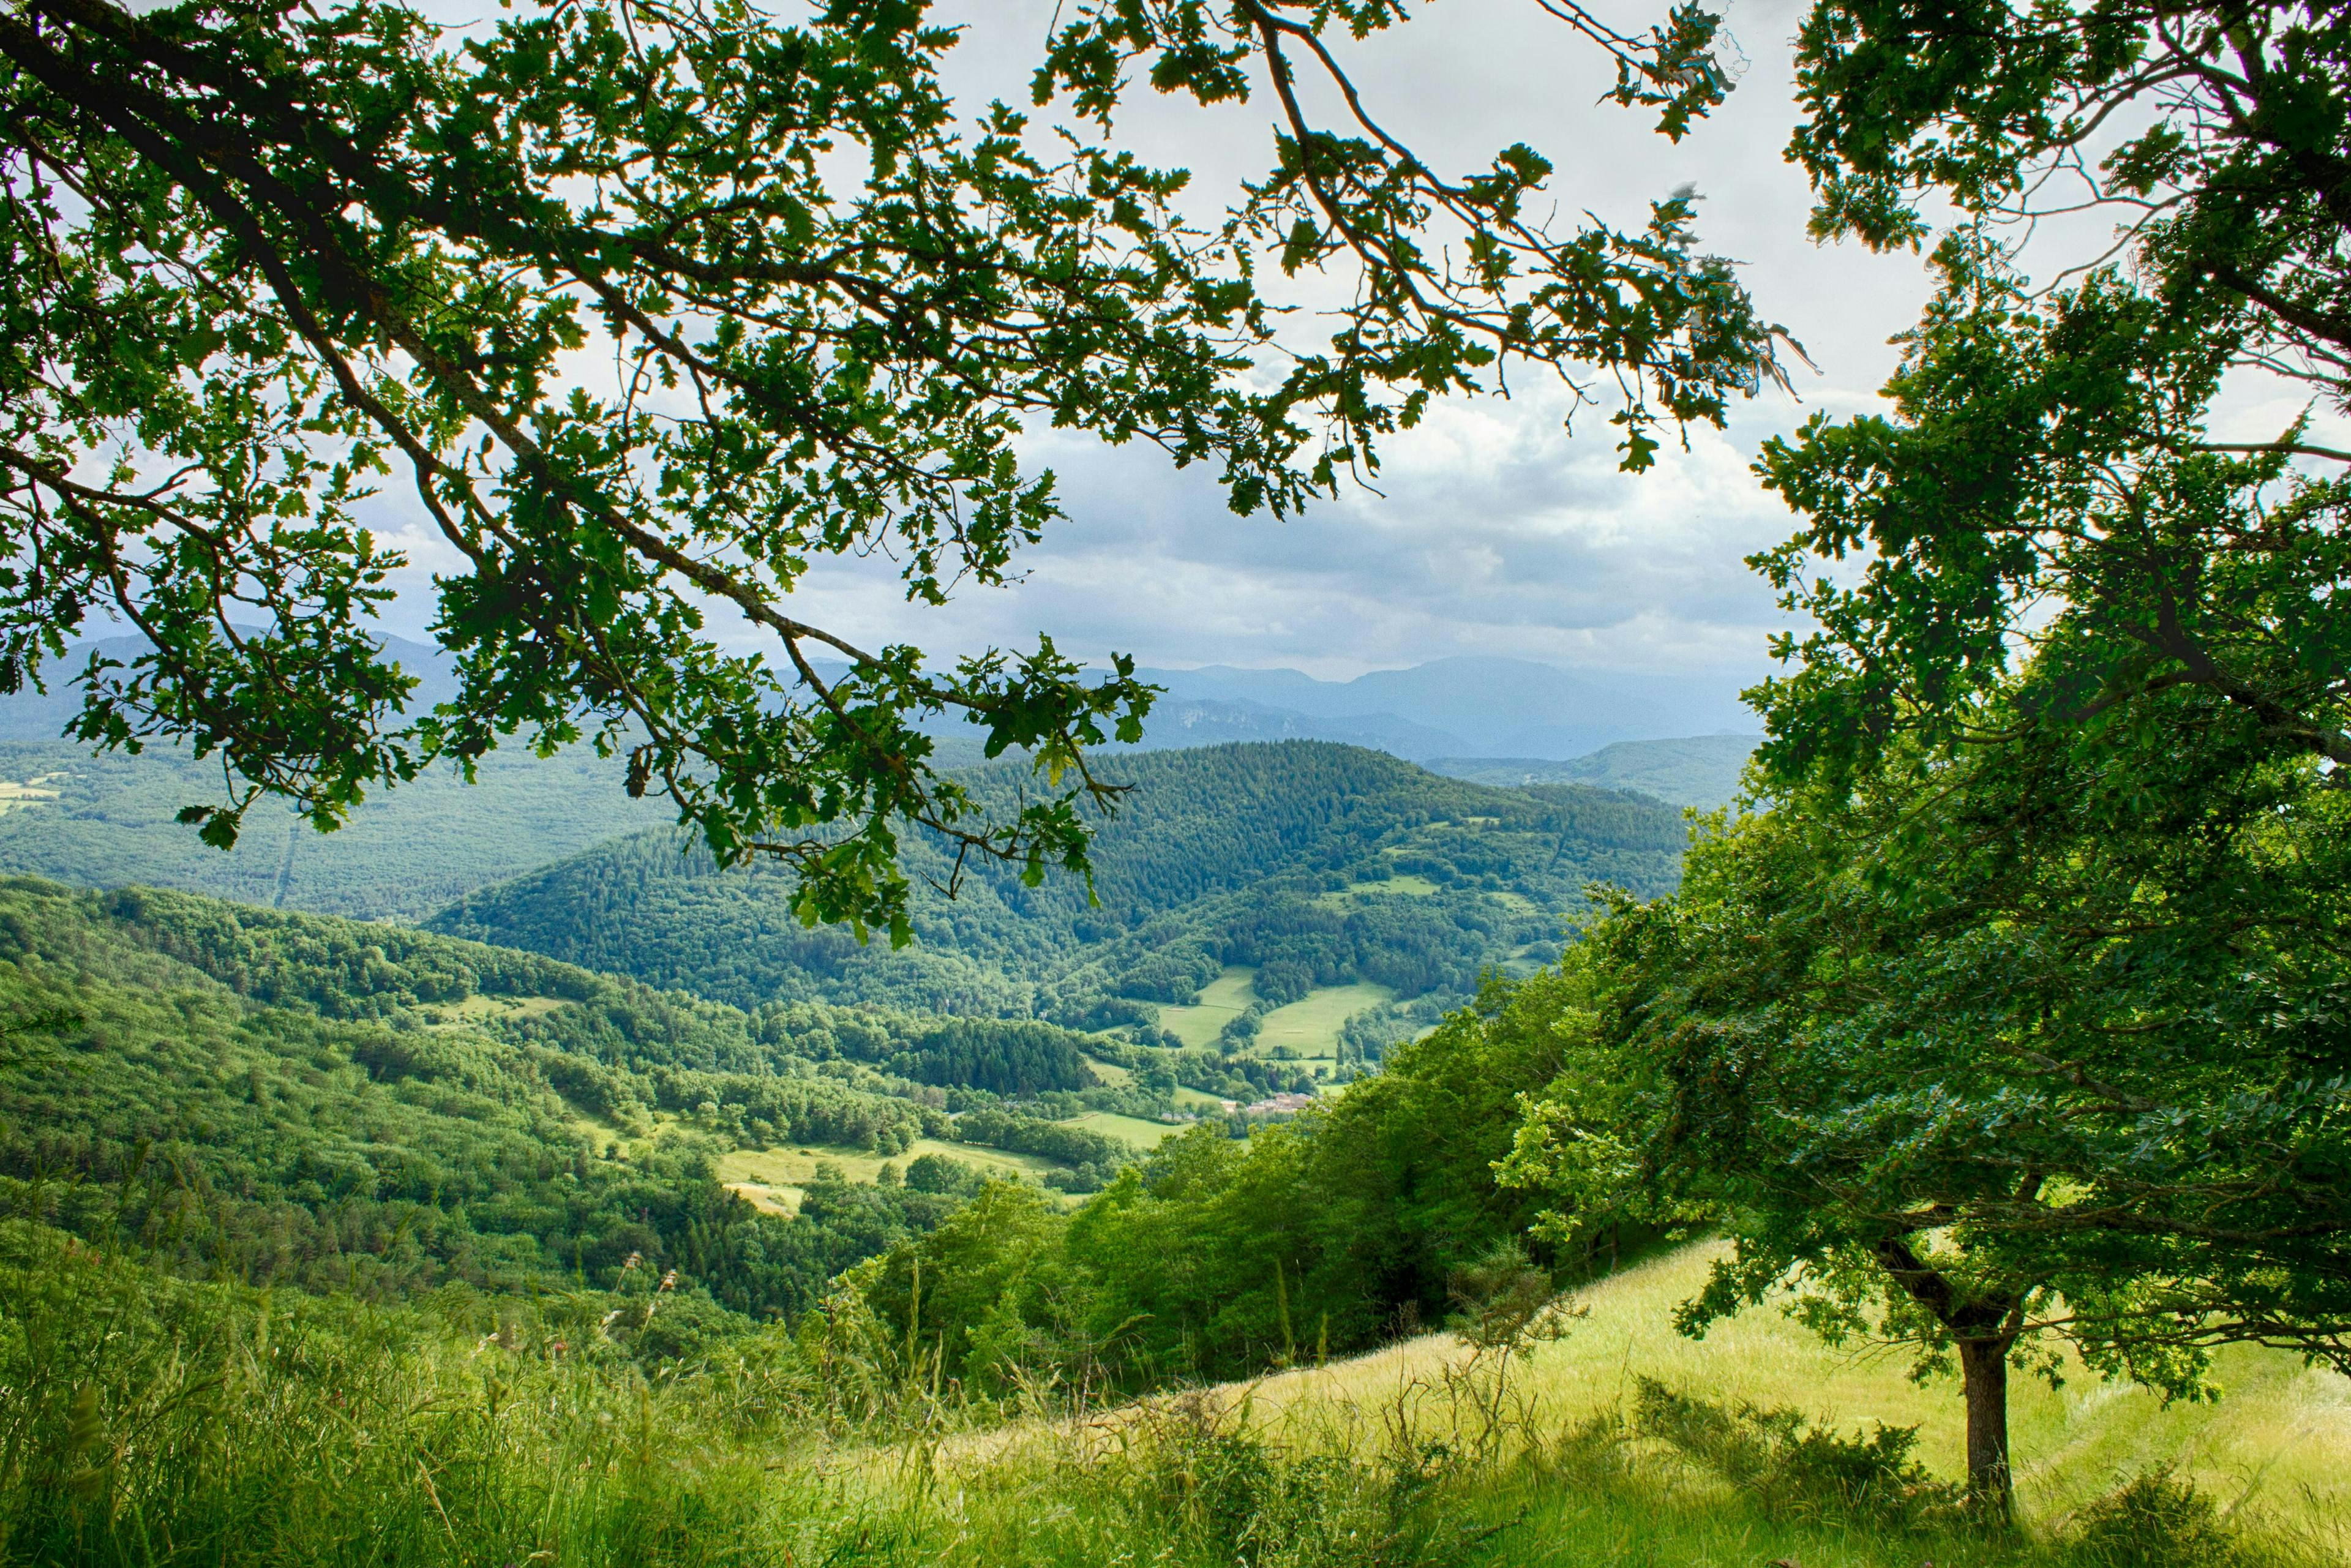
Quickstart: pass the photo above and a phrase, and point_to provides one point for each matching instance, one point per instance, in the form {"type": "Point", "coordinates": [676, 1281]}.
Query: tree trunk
{"type": "Point", "coordinates": [1983, 1373]}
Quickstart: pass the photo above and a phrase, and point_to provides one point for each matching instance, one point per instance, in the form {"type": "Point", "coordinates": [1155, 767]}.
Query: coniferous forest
{"type": "Point", "coordinates": [680, 1066]}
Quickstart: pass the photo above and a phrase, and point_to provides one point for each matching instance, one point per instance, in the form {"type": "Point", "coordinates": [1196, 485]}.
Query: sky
{"type": "Point", "coordinates": [1495, 530]}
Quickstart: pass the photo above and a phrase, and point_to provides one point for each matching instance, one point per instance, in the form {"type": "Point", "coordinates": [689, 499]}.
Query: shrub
{"type": "Point", "coordinates": [2156, 1519]}
{"type": "Point", "coordinates": [1795, 1469]}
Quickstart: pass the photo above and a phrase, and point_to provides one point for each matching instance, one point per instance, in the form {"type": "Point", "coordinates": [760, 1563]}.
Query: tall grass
{"type": "Point", "coordinates": [146, 1420]}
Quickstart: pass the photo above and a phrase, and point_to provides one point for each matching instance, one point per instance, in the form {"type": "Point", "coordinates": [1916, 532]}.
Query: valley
{"type": "Point", "coordinates": [1232, 1125]}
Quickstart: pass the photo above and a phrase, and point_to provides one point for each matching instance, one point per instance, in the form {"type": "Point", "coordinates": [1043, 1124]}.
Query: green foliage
{"type": "Point", "coordinates": [161, 1422]}
{"type": "Point", "coordinates": [2213, 136]}
{"type": "Point", "coordinates": [2024, 992]}
{"type": "Point", "coordinates": [1212, 1258]}
{"type": "Point", "coordinates": [299, 1100]}
{"type": "Point", "coordinates": [1794, 1469]}
{"type": "Point", "coordinates": [1032, 1136]}
{"type": "Point", "coordinates": [2158, 1521]}
{"type": "Point", "coordinates": [255, 259]}
{"type": "Point", "coordinates": [2016, 1025]}
{"type": "Point", "coordinates": [158, 1420]}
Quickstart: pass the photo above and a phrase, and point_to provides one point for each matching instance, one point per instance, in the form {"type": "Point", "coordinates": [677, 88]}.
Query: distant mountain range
{"type": "Point", "coordinates": [1457, 707]}
{"type": "Point", "coordinates": [1699, 771]}
{"type": "Point", "coordinates": [29, 715]}
{"type": "Point", "coordinates": [1492, 720]}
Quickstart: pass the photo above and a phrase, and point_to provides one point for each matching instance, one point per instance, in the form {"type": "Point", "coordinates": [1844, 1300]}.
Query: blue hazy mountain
{"type": "Point", "coordinates": [1701, 770]}
{"type": "Point", "coordinates": [30, 715]}
{"type": "Point", "coordinates": [1491, 706]}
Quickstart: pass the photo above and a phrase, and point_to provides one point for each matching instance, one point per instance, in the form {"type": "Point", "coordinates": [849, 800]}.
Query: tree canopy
{"type": "Point", "coordinates": [258, 257]}
{"type": "Point", "coordinates": [2017, 1009]}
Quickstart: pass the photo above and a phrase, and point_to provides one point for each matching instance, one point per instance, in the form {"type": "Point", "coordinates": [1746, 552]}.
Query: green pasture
{"type": "Point", "coordinates": [1222, 1000]}
{"type": "Point", "coordinates": [1136, 1132]}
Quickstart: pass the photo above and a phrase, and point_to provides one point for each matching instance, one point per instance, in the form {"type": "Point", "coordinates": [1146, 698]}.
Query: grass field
{"type": "Point", "coordinates": [1222, 999]}
{"type": "Point", "coordinates": [1112, 1075]}
{"type": "Point", "coordinates": [31, 792]}
{"type": "Point", "coordinates": [2273, 1453]}
{"type": "Point", "coordinates": [258, 1431]}
{"type": "Point", "coordinates": [1309, 1026]}
{"type": "Point", "coordinates": [773, 1179]}
{"type": "Point", "coordinates": [2278, 1442]}
{"type": "Point", "coordinates": [1133, 1131]}
{"type": "Point", "coordinates": [1406, 886]}
{"type": "Point", "coordinates": [477, 1006]}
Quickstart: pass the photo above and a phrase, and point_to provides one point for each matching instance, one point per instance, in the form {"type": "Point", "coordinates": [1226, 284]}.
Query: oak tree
{"type": "Point", "coordinates": [654, 306]}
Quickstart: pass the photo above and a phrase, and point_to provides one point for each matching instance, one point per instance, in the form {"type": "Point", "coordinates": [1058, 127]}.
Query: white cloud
{"type": "Point", "coordinates": [1494, 530]}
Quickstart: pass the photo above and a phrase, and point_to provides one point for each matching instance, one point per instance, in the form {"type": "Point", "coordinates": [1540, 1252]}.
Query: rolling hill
{"type": "Point", "coordinates": [1311, 866]}
{"type": "Point", "coordinates": [107, 821]}
{"type": "Point", "coordinates": [356, 1105]}
{"type": "Point", "coordinates": [1701, 770]}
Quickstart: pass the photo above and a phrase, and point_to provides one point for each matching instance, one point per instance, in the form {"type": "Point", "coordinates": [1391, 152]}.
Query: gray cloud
{"type": "Point", "coordinates": [1494, 530]}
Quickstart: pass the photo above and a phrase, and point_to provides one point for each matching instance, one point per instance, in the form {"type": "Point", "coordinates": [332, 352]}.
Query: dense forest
{"type": "Point", "coordinates": [375, 1109]}
{"type": "Point", "coordinates": [1319, 864]}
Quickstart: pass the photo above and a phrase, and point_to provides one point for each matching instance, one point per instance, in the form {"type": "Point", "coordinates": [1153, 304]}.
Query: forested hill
{"type": "Point", "coordinates": [110, 821]}
{"type": "Point", "coordinates": [333, 1104]}
{"type": "Point", "coordinates": [1314, 863]}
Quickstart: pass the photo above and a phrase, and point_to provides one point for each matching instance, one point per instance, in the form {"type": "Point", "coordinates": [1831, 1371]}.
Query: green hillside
{"type": "Point", "coordinates": [375, 1108]}
{"type": "Point", "coordinates": [1314, 865]}
{"type": "Point", "coordinates": [1701, 770]}
{"type": "Point", "coordinates": [107, 821]}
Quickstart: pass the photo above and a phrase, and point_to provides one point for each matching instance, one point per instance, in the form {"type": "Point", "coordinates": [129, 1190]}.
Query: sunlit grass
{"type": "Point", "coordinates": [145, 1421]}
{"type": "Point", "coordinates": [2277, 1444]}
{"type": "Point", "coordinates": [1221, 1000]}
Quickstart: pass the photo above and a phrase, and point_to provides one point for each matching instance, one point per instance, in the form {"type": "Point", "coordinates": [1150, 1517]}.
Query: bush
{"type": "Point", "coordinates": [2157, 1520]}
{"type": "Point", "coordinates": [1794, 1469]}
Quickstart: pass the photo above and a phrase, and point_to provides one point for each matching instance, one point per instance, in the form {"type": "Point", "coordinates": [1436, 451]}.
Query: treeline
{"type": "Point", "coordinates": [1215, 1258]}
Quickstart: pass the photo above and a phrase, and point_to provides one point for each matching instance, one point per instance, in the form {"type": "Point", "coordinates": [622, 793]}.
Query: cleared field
{"type": "Point", "coordinates": [1112, 1075]}
{"type": "Point", "coordinates": [448, 1015]}
{"type": "Point", "coordinates": [774, 1179]}
{"type": "Point", "coordinates": [15, 797]}
{"type": "Point", "coordinates": [1133, 1131]}
{"type": "Point", "coordinates": [1309, 1026]}
{"type": "Point", "coordinates": [1403, 886]}
{"type": "Point", "coordinates": [1197, 1100]}
{"type": "Point", "coordinates": [1222, 999]}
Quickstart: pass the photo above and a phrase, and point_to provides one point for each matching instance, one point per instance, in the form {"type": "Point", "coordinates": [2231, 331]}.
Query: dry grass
{"type": "Point", "coordinates": [2275, 1449]}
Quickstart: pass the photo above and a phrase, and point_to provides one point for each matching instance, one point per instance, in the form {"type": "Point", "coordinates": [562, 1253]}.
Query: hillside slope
{"type": "Point", "coordinates": [376, 1108]}
{"type": "Point", "coordinates": [2277, 1441]}
{"type": "Point", "coordinates": [1316, 864]}
{"type": "Point", "coordinates": [1701, 770]}
{"type": "Point", "coordinates": [107, 821]}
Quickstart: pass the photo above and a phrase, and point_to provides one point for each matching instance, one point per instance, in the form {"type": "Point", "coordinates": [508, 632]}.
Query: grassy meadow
{"type": "Point", "coordinates": [774, 1179]}
{"type": "Point", "coordinates": [2276, 1444]}
{"type": "Point", "coordinates": [1306, 1031]}
{"type": "Point", "coordinates": [1221, 1000]}
{"type": "Point", "coordinates": [150, 1420]}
